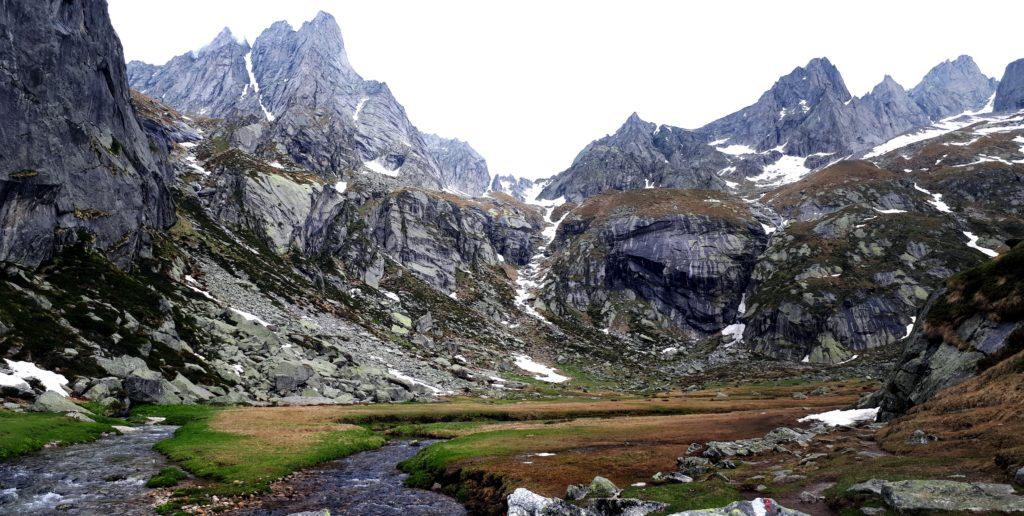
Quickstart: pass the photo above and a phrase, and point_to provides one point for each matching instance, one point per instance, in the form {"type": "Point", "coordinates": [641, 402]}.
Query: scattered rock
{"type": "Point", "coordinates": [670, 478]}
{"type": "Point", "coordinates": [576, 492]}
{"type": "Point", "coordinates": [693, 466]}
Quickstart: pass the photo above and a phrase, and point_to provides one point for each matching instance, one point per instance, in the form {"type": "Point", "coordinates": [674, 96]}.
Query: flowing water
{"type": "Point", "coordinates": [364, 484]}
{"type": "Point", "coordinates": [104, 477]}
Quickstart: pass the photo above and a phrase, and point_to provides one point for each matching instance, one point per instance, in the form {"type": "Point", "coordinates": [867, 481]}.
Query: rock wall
{"type": "Point", "coordinates": [76, 165]}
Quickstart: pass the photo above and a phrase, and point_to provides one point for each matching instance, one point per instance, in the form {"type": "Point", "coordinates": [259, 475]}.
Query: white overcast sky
{"type": "Point", "coordinates": [529, 83]}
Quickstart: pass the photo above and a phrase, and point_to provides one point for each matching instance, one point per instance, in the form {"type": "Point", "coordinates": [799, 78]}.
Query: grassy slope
{"type": "Point", "coordinates": [22, 433]}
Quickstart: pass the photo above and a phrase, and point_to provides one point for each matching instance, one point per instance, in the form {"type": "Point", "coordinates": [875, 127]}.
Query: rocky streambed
{"type": "Point", "coordinates": [367, 484]}
{"type": "Point", "coordinates": [104, 477]}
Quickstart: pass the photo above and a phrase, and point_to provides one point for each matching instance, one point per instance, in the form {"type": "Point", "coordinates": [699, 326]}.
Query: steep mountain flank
{"type": "Point", "coordinates": [863, 252]}
{"type": "Point", "coordinates": [76, 165]}
{"type": "Point", "coordinates": [1010, 95]}
{"type": "Point", "coordinates": [640, 155]}
{"type": "Point", "coordinates": [211, 82]}
{"type": "Point", "coordinates": [463, 170]}
{"type": "Point", "coordinates": [294, 94]}
{"type": "Point", "coordinates": [662, 258]}
{"type": "Point", "coordinates": [952, 87]}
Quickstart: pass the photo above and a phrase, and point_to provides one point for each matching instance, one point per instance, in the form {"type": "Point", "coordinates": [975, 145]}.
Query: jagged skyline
{"type": "Point", "coordinates": [526, 66]}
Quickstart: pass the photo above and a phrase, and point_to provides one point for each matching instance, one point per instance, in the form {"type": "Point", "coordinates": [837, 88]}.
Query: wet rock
{"type": "Point", "coordinates": [755, 507]}
{"type": "Point", "coordinates": [50, 401]}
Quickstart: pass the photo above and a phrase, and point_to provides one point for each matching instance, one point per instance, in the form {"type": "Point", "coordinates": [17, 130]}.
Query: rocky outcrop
{"type": "Point", "coordinates": [640, 155]}
{"type": "Point", "coordinates": [517, 187]}
{"type": "Point", "coordinates": [212, 82]}
{"type": "Point", "coordinates": [879, 231]}
{"type": "Point", "coordinates": [1010, 94]}
{"type": "Point", "coordinates": [687, 255]}
{"type": "Point", "coordinates": [953, 87]}
{"type": "Point", "coordinates": [966, 328]}
{"type": "Point", "coordinates": [76, 165]}
{"type": "Point", "coordinates": [463, 170]}
{"type": "Point", "coordinates": [434, 235]}
{"type": "Point", "coordinates": [887, 111]}
{"type": "Point", "coordinates": [912, 496]}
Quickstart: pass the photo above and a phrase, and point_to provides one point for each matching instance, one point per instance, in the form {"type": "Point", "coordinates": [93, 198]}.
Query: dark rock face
{"type": "Point", "coordinates": [462, 168]}
{"type": "Point", "coordinates": [212, 82]}
{"type": "Point", "coordinates": [952, 87]}
{"type": "Point", "coordinates": [75, 162]}
{"type": "Point", "coordinates": [640, 155]}
{"type": "Point", "coordinates": [689, 264]}
{"type": "Point", "coordinates": [1010, 95]}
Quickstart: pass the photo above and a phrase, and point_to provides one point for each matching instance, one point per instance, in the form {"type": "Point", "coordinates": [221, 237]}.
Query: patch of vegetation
{"type": "Point", "coordinates": [240, 464]}
{"type": "Point", "coordinates": [22, 433]}
{"type": "Point", "coordinates": [995, 287]}
{"type": "Point", "coordinates": [116, 147]}
{"type": "Point", "coordinates": [24, 173]}
{"type": "Point", "coordinates": [686, 497]}
{"type": "Point", "coordinates": [167, 477]}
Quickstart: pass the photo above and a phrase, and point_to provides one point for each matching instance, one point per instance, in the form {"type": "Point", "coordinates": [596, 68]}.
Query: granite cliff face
{"type": "Point", "coordinates": [211, 82]}
{"type": "Point", "coordinates": [463, 170]}
{"type": "Point", "coordinates": [676, 259]}
{"type": "Point", "coordinates": [76, 165]}
{"type": "Point", "coordinates": [1010, 95]}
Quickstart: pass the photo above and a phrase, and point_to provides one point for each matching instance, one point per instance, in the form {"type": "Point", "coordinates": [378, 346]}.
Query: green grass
{"type": "Point", "coordinates": [22, 433]}
{"type": "Point", "coordinates": [167, 477]}
{"type": "Point", "coordinates": [686, 497]}
{"type": "Point", "coordinates": [240, 464]}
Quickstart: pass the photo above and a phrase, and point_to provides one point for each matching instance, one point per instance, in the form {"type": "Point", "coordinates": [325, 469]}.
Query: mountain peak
{"type": "Point", "coordinates": [952, 87]}
{"type": "Point", "coordinates": [224, 37]}
{"type": "Point", "coordinates": [635, 124]}
{"type": "Point", "coordinates": [888, 85]}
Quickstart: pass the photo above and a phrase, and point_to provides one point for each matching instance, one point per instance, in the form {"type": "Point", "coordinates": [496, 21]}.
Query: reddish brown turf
{"type": "Point", "coordinates": [980, 422]}
{"type": "Point", "coordinates": [625, 450]}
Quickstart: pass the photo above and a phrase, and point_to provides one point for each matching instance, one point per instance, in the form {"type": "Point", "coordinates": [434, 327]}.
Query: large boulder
{"type": "Point", "coordinates": [911, 496]}
{"type": "Point", "coordinates": [145, 386]}
{"type": "Point", "coordinates": [50, 401]}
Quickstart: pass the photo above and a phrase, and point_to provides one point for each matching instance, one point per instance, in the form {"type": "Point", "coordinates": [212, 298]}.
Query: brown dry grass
{"type": "Point", "coordinates": [842, 173]}
{"type": "Point", "coordinates": [979, 422]}
{"type": "Point", "coordinates": [740, 398]}
{"type": "Point", "coordinates": [659, 202]}
{"type": "Point", "coordinates": [292, 427]}
{"type": "Point", "coordinates": [625, 449]}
